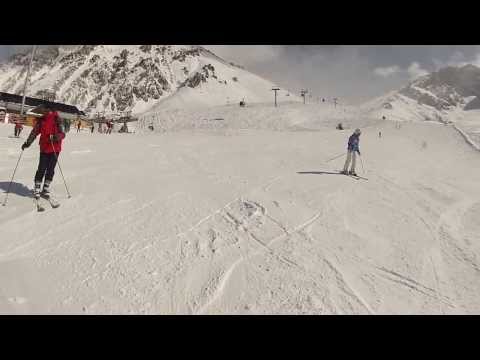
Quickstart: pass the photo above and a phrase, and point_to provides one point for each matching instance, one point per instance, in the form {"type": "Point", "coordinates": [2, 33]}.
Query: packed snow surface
{"type": "Point", "coordinates": [247, 219]}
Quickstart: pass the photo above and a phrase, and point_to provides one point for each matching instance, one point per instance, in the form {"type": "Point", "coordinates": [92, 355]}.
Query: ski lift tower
{"type": "Point", "coordinates": [27, 78]}
{"type": "Point", "coordinates": [303, 94]}
{"type": "Point", "coordinates": [275, 90]}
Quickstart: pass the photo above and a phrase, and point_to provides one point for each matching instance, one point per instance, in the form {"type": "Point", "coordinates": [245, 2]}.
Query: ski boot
{"type": "Point", "coordinates": [46, 190]}
{"type": "Point", "coordinates": [352, 173]}
{"type": "Point", "coordinates": [36, 190]}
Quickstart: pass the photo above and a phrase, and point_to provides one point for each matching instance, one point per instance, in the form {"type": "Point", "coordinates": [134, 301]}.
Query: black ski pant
{"type": "Point", "coordinates": [18, 131]}
{"type": "Point", "coordinates": [46, 167]}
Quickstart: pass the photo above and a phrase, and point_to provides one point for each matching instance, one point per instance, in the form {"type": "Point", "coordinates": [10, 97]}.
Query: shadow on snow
{"type": "Point", "coordinates": [318, 173]}
{"type": "Point", "coordinates": [16, 188]}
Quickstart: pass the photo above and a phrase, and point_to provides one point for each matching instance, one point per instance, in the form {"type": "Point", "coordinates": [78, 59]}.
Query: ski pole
{"type": "Point", "coordinates": [361, 162]}
{"type": "Point", "coordinates": [61, 172]}
{"type": "Point", "coordinates": [13, 175]}
{"type": "Point", "coordinates": [336, 157]}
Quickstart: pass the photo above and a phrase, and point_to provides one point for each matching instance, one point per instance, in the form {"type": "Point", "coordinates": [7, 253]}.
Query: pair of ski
{"type": "Point", "coordinates": [53, 203]}
{"type": "Point", "coordinates": [356, 177]}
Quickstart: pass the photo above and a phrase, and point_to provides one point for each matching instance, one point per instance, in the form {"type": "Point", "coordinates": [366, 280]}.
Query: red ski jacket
{"type": "Point", "coordinates": [48, 124]}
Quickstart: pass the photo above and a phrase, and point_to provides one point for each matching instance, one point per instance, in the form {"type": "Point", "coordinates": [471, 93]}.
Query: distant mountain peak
{"type": "Point", "coordinates": [434, 96]}
{"type": "Point", "coordinates": [446, 88]}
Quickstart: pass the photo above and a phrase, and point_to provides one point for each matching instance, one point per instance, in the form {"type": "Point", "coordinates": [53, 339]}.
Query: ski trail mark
{"type": "Point", "coordinates": [347, 288]}
{"type": "Point", "coordinates": [221, 286]}
{"type": "Point", "coordinates": [414, 285]}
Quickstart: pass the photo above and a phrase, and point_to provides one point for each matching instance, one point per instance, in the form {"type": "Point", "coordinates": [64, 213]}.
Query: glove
{"type": "Point", "coordinates": [358, 151]}
{"type": "Point", "coordinates": [54, 138]}
{"type": "Point", "coordinates": [24, 146]}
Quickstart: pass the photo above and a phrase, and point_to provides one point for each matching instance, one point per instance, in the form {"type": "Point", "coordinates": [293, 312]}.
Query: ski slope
{"type": "Point", "coordinates": [261, 116]}
{"type": "Point", "coordinates": [232, 220]}
{"type": "Point", "coordinates": [247, 86]}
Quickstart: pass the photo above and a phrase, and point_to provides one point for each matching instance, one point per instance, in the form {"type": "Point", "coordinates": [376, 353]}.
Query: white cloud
{"type": "Point", "coordinates": [415, 70]}
{"type": "Point", "coordinates": [458, 59]}
{"type": "Point", "coordinates": [247, 54]}
{"type": "Point", "coordinates": [476, 61]}
{"type": "Point", "coordinates": [387, 71]}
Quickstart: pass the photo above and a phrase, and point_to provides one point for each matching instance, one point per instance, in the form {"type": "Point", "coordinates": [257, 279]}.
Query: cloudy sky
{"type": "Point", "coordinates": [350, 72]}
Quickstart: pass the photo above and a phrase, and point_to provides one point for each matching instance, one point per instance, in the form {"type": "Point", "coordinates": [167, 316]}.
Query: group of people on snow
{"type": "Point", "coordinates": [101, 130]}
{"type": "Point", "coordinates": [108, 130]}
{"type": "Point", "coordinates": [50, 127]}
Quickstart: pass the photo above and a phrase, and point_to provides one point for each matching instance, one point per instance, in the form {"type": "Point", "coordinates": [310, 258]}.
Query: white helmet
{"type": "Point", "coordinates": [357, 131]}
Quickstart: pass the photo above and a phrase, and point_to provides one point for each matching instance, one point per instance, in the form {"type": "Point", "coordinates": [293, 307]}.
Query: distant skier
{"type": "Point", "coordinates": [353, 148]}
{"type": "Point", "coordinates": [66, 125]}
{"type": "Point", "coordinates": [92, 128]}
{"type": "Point", "coordinates": [79, 126]}
{"type": "Point", "coordinates": [124, 128]}
{"type": "Point", "coordinates": [379, 134]}
{"type": "Point", "coordinates": [18, 128]}
{"type": "Point", "coordinates": [51, 130]}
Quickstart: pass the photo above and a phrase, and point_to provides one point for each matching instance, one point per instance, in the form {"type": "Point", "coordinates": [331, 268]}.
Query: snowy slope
{"type": "Point", "coordinates": [247, 86]}
{"type": "Point", "coordinates": [247, 222]}
{"type": "Point", "coordinates": [288, 115]}
{"type": "Point", "coordinates": [439, 96]}
{"type": "Point", "coordinates": [398, 107]}
{"type": "Point", "coordinates": [136, 78]}
{"type": "Point", "coordinates": [449, 96]}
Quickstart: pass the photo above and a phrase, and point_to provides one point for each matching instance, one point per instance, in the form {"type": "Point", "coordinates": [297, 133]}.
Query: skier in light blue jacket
{"type": "Point", "coordinates": [353, 149]}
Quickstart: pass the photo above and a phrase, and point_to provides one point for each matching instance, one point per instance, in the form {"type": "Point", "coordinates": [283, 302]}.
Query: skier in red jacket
{"type": "Point", "coordinates": [18, 128]}
{"type": "Point", "coordinates": [50, 128]}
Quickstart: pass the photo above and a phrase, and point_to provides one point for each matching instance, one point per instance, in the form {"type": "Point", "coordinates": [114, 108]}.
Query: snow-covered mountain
{"type": "Point", "coordinates": [136, 78]}
{"type": "Point", "coordinates": [446, 96]}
